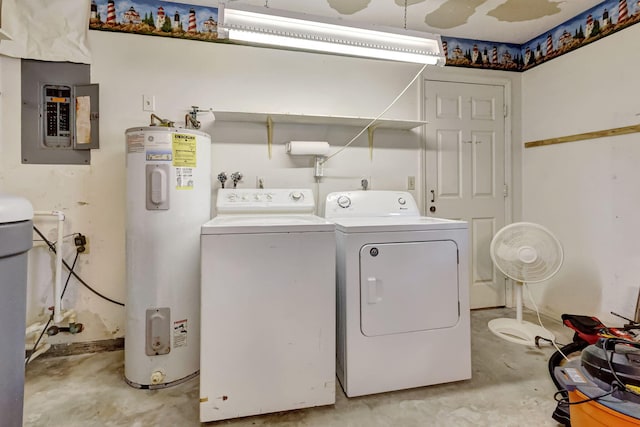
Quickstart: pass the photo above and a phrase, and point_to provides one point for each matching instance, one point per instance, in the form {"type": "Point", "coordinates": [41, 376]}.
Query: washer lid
{"type": "Point", "coordinates": [403, 223]}
{"type": "Point", "coordinates": [14, 209]}
{"type": "Point", "coordinates": [258, 224]}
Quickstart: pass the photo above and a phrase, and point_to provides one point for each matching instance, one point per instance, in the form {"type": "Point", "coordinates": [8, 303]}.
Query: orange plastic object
{"type": "Point", "coordinates": [594, 414]}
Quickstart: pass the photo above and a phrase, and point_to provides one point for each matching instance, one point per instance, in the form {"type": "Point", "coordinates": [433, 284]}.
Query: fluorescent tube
{"type": "Point", "coordinates": [283, 29]}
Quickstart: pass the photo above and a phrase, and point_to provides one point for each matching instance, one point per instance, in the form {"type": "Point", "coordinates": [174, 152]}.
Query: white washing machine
{"type": "Point", "coordinates": [267, 305]}
{"type": "Point", "coordinates": [402, 294]}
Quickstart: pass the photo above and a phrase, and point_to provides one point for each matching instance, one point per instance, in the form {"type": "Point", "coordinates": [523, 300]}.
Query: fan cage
{"type": "Point", "coordinates": [509, 245]}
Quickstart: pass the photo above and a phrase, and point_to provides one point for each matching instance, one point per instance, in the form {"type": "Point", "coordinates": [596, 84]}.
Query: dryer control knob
{"type": "Point", "coordinates": [344, 202]}
{"type": "Point", "coordinates": [402, 201]}
{"type": "Point", "coordinates": [296, 195]}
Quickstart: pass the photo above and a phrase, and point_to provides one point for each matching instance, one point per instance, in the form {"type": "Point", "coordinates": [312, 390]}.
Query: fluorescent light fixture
{"type": "Point", "coordinates": [278, 28]}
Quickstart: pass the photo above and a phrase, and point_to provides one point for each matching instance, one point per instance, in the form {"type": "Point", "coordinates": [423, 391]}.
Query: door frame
{"type": "Point", "coordinates": [508, 201]}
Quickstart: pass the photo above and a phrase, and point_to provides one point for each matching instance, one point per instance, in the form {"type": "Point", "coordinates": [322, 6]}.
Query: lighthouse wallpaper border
{"type": "Point", "coordinates": [156, 18]}
{"type": "Point", "coordinates": [181, 20]}
{"type": "Point", "coordinates": [600, 21]}
{"type": "Point", "coordinates": [482, 54]}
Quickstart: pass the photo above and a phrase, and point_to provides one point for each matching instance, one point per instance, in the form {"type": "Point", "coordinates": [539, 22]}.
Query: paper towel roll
{"type": "Point", "coordinates": [308, 148]}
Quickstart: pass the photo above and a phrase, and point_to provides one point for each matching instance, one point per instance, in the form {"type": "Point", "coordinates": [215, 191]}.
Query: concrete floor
{"type": "Point", "coordinates": [510, 387]}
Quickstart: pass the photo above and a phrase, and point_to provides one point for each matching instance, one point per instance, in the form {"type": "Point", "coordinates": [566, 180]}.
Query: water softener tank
{"type": "Point", "coordinates": [16, 231]}
{"type": "Point", "coordinates": [168, 199]}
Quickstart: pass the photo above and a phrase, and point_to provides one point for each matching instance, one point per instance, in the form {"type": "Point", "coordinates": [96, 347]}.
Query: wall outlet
{"type": "Point", "coordinates": [411, 183]}
{"type": "Point", "coordinates": [82, 243]}
{"type": "Point", "coordinates": [365, 183]}
{"type": "Point", "coordinates": [148, 103]}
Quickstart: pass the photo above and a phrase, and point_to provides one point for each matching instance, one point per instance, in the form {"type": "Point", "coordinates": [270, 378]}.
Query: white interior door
{"type": "Point", "coordinates": [465, 172]}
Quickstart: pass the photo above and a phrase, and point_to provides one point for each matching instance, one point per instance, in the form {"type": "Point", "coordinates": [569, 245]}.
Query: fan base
{"type": "Point", "coordinates": [519, 331]}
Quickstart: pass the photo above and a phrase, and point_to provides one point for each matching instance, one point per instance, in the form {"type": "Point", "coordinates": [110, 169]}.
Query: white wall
{"type": "Point", "coordinates": [587, 192]}
{"type": "Point", "coordinates": [179, 74]}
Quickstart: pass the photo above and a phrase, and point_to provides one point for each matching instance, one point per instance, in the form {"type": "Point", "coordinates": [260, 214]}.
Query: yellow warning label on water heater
{"type": "Point", "coordinates": [184, 150]}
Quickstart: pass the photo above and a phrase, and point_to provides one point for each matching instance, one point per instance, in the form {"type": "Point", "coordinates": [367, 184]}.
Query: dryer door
{"type": "Point", "coordinates": [408, 287]}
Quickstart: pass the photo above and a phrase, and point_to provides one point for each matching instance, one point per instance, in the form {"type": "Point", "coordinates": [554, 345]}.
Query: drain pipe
{"type": "Point", "coordinates": [57, 284]}
{"type": "Point", "coordinates": [42, 348]}
{"type": "Point", "coordinates": [34, 329]}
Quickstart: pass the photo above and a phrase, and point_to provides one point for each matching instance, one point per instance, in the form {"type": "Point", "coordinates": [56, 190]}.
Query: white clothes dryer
{"type": "Point", "coordinates": [402, 294]}
{"type": "Point", "coordinates": [267, 305]}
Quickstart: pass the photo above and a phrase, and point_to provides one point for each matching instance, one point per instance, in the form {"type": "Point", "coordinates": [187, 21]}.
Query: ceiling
{"type": "Point", "coordinates": [507, 21]}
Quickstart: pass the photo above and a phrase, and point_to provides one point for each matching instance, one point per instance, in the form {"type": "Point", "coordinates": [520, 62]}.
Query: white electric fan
{"type": "Point", "coordinates": [526, 253]}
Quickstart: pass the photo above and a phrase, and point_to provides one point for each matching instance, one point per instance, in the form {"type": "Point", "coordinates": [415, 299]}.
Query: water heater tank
{"type": "Point", "coordinates": [168, 199]}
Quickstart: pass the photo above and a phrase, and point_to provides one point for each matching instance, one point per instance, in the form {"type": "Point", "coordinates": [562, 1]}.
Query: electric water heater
{"type": "Point", "coordinates": [168, 199]}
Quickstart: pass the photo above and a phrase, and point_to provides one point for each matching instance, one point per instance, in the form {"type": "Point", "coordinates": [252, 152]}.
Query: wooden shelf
{"type": "Point", "coordinates": [270, 119]}
{"type": "Point", "coordinates": [305, 119]}
{"type": "Point", "coordinates": [585, 136]}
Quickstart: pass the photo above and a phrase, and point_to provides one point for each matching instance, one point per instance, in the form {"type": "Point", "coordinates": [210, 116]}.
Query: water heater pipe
{"type": "Point", "coordinates": [57, 283]}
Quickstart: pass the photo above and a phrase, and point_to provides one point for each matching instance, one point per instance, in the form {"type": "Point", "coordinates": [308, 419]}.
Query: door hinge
{"type": "Point", "coordinates": [505, 110]}
{"type": "Point", "coordinates": [505, 190]}
{"type": "Point", "coordinates": [458, 308]}
{"type": "Point", "coordinates": [458, 256]}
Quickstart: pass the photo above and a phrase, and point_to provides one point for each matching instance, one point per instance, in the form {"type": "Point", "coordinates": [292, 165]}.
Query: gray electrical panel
{"type": "Point", "coordinates": [59, 113]}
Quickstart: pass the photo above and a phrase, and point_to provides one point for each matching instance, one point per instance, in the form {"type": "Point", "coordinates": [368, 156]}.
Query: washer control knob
{"type": "Point", "coordinates": [296, 195]}
{"type": "Point", "coordinates": [344, 202]}
{"type": "Point", "coordinates": [402, 201]}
